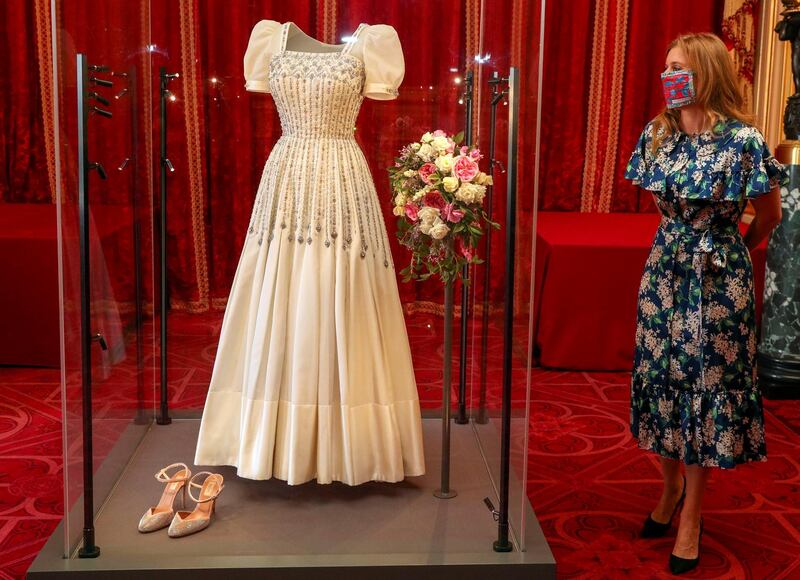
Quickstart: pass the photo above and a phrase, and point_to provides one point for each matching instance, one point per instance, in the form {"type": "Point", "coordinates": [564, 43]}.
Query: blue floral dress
{"type": "Point", "coordinates": [694, 390]}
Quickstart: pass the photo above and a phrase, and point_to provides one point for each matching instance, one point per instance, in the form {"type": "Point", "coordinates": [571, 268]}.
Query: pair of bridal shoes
{"type": "Point", "coordinates": [183, 523]}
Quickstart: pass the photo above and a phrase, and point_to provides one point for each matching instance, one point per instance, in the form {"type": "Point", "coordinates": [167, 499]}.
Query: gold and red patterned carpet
{"type": "Point", "coordinates": [591, 488]}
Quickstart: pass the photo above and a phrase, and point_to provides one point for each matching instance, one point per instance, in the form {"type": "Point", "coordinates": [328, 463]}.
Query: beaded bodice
{"type": "Point", "coordinates": [317, 94]}
{"type": "Point", "coordinates": [316, 185]}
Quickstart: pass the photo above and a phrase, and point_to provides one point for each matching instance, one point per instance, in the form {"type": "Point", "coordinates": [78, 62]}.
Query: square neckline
{"type": "Point", "coordinates": [342, 47]}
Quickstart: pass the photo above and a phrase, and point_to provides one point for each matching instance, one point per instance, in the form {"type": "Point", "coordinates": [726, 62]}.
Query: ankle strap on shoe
{"type": "Point", "coordinates": [208, 474]}
{"type": "Point", "coordinates": [161, 474]}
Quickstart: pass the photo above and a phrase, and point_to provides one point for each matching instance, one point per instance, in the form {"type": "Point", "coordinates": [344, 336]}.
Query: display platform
{"type": "Point", "coordinates": [268, 529]}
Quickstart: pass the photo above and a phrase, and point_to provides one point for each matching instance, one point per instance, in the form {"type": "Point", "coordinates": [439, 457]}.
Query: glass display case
{"type": "Point", "coordinates": [154, 202]}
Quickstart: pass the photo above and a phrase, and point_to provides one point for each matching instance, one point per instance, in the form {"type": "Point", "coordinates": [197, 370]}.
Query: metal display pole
{"type": "Point", "coordinates": [444, 492]}
{"type": "Point", "coordinates": [163, 417]}
{"type": "Point", "coordinates": [84, 81]}
{"type": "Point", "coordinates": [461, 417]}
{"type": "Point", "coordinates": [503, 544]}
{"type": "Point", "coordinates": [497, 96]}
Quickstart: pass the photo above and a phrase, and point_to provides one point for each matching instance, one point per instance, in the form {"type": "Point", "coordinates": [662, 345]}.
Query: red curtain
{"type": "Point", "coordinates": [220, 135]}
{"type": "Point", "coordinates": [24, 173]}
{"type": "Point", "coordinates": [569, 32]}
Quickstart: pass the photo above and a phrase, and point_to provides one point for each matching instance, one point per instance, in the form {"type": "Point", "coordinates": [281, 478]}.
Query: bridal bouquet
{"type": "Point", "coordinates": [438, 191]}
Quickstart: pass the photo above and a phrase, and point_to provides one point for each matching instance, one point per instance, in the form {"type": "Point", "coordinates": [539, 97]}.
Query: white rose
{"type": "Point", "coordinates": [439, 230]}
{"type": "Point", "coordinates": [400, 199]}
{"type": "Point", "coordinates": [440, 144]}
{"type": "Point", "coordinates": [409, 173]}
{"type": "Point", "coordinates": [471, 193]}
{"type": "Point", "coordinates": [425, 151]}
{"type": "Point", "coordinates": [450, 184]}
{"type": "Point", "coordinates": [483, 179]}
{"type": "Point", "coordinates": [415, 146]}
{"type": "Point", "coordinates": [444, 163]}
{"type": "Point", "coordinates": [419, 194]}
{"type": "Point", "coordinates": [428, 215]}
{"type": "Point", "coordinates": [399, 210]}
{"type": "Point", "coordinates": [427, 137]}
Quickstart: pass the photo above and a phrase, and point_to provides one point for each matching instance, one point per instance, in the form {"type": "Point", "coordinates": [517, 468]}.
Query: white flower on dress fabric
{"type": "Point", "coordinates": [439, 229]}
{"type": "Point", "coordinates": [444, 163]}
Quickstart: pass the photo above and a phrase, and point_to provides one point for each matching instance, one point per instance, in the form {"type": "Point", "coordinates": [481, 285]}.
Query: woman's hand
{"type": "Point", "coordinates": [768, 215]}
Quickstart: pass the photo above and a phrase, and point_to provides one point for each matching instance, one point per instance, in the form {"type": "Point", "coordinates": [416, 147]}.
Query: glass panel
{"type": "Point", "coordinates": [509, 38]}
{"type": "Point", "coordinates": [114, 34]}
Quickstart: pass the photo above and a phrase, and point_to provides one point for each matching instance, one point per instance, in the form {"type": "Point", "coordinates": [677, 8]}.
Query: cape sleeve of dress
{"type": "Point", "coordinates": [260, 49]}
{"type": "Point", "coordinates": [761, 172]}
{"type": "Point", "coordinates": [642, 168]}
{"type": "Point", "coordinates": [383, 62]}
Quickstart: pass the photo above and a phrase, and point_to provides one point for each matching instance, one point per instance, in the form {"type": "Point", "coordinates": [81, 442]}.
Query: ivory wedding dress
{"type": "Point", "coordinates": [313, 377]}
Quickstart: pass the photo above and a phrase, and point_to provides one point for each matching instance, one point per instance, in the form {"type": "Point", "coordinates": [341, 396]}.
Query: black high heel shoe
{"type": "Point", "coordinates": [654, 529]}
{"type": "Point", "coordinates": [679, 565]}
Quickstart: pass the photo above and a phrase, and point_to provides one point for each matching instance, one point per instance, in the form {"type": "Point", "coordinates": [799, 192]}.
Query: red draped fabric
{"type": "Point", "coordinates": [570, 29]}
{"type": "Point", "coordinates": [220, 135]}
{"type": "Point", "coordinates": [23, 163]}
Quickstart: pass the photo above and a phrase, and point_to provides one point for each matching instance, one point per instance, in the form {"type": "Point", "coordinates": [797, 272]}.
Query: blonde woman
{"type": "Point", "coordinates": [694, 395]}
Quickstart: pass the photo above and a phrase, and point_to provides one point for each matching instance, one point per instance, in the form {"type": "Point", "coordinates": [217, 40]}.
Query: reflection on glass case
{"type": "Point", "coordinates": [324, 360]}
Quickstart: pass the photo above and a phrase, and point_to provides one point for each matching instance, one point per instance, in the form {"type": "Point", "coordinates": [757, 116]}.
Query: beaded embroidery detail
{"type": "Point", "coordinates": [316, 186]}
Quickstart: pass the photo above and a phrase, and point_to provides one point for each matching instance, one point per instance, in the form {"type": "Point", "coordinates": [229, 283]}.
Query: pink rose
{"type": "Point", "coordinates": [451, 145]}
{"type": "Point", "coordinates": [426, 170]}
{"type": "Point", "coordinates": [476, 154]}
{"type": "Point", "coordinates": [464, 150]}
{"type": "Point", "coordinates": [465, 168]}
{"type": "Point", "coordinates": [435, 199]}
{"type": "Point", "coordinates": [439, 133]}
{"type": "Point", "coordinates": [463, 249]}
{"type": "Point", "coordinates": [412, 210]}
{"type": "Point", "coordinates": [452, 214]}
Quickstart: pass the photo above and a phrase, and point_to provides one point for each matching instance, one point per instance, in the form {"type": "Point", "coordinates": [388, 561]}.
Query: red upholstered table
{"type": "Point", "coordinates": [29, 313]}
{"type": "Point", "coordinates": [588, 269]}
{"type": "Point", "coordinates": [29, 329]}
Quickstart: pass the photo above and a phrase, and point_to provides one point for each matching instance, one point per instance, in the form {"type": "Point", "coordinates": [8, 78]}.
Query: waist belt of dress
{"type": "Point", "coordinates": [708, 241]}
{"type": "Point", "coordinates": [705, 246]}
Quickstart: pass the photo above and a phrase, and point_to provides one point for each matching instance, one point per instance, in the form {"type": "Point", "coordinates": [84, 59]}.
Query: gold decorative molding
{"type": "Point", "coordinates": [773, 78]}
{"type": "Point", "coordinates": [44, 49]}
{"type": "Point", "coordinates": [192, 117]}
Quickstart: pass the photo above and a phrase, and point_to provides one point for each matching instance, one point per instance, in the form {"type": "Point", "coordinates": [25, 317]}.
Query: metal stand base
{"type": "Point", "coordinates": [445, 494]}
{"type": "Point", "coordinates": [502, 546]}
{"type": "Point", "coordinates": [459, 420]}
{"type": "Point", "coordinates": [163, 421]}
{"type": "Point", "coordinates": [779, 379]}
{"type": "Point", "coordinates": [91, 552]}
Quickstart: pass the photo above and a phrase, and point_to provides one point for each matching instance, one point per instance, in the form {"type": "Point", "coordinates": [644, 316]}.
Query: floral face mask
{"type": "Point", "coordinates": [678, 88]}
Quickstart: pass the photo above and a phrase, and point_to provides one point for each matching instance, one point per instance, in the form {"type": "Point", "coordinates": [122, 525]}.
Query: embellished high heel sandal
{"type": "Point", "coordinates": [184, 522]}
{"type": "Point", "coordinates": [654, 529]}
{"type": "Point", "coordinates": [159, 516]}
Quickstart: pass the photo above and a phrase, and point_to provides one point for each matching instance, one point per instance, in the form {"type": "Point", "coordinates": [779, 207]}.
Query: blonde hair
{"type": "Point", "coordinates": [717, 86]}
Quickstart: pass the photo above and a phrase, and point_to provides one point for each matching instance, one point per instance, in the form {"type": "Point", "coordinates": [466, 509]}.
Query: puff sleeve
{"type": "Point", "coordinates": [383, 62]}
{"type": "Point", "coordinates": [761, 172]}
{"type": "Point", "coordinates": [259, 51]}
